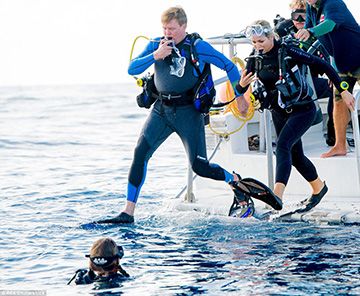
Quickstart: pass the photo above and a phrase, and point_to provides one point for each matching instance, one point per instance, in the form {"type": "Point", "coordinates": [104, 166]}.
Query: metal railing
{"type": "Point", "coordinates": [356, 133]}
{"type": "Point", "coordinates": [265, 126]}
{"type": "Point", "coordinates": [265, 136]}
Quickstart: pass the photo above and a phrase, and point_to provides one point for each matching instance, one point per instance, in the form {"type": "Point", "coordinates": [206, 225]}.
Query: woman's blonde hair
{"type": "Point", "coordinates": [265, 25]}
{"type": "Point", "coordinates": [104, 247]}
{"type": "Point", "coordinates": [297, 4]}
{"type": "Point", "coordinates": [177, 13]}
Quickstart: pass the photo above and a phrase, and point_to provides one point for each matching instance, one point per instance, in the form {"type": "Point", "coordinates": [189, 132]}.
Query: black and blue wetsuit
{"type": "Point", "coordinates": [290, 127]}
{"type": "Point", "coordinates": [179, 116]}
{"type": "Point", "coordinates": [85, 277]}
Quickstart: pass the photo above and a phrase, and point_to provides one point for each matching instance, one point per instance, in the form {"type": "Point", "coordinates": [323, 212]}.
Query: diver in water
{"type": "Point", "coordinates": [104, 266]}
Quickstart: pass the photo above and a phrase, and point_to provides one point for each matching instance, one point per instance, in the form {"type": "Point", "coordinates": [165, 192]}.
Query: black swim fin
{"type": "Point", "coordinates": [242, 206]}
{"type": "Point", "coordinates": [258, 190]}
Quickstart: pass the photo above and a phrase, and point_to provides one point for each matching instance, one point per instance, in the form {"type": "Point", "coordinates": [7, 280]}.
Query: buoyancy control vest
{"type": "Point", "coordinates": [295, 85]}
{"type": "Point", "coordinates": [199, 90]}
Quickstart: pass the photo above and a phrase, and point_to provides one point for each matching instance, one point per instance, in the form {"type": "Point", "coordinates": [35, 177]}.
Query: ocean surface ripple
{"type": "Point", "coordinates": [65, 153]}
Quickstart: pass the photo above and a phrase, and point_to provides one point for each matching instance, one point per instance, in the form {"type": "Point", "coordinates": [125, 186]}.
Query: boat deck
{"type": "Point", "coordinates": [341, 205]}
{"type": "Point", "coordinates": [331, 210]}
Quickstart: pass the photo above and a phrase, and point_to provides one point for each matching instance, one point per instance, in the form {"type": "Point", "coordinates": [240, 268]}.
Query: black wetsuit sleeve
{"type": "Point", "coordinates": [317, 64]}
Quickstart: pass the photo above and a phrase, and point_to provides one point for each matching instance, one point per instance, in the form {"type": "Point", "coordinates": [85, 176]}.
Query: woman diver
{"type": "Point", "coordinates": [290, 123]}
{"type": "Point", "coordinates": [104, 266]}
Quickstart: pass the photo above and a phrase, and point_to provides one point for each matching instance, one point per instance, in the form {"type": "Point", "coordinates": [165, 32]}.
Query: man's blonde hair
{"type": "Point", "coordinates": [297, 4]}
{"type": "Point", "coordinates": [177, 13]}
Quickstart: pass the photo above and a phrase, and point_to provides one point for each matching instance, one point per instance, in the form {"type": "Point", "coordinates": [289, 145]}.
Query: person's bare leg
{"type": "Point", "coordinates": [317, 185]}
{"type": "Point", "coordinates": [129, 208]}
{"type": "Point", "coordinates": [279, 189]}
{"type": "Point", "coordinates": [341, 119]}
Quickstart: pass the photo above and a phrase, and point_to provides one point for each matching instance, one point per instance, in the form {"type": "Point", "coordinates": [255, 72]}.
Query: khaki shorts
{"type": "Point", "coordinates": [351, 78]}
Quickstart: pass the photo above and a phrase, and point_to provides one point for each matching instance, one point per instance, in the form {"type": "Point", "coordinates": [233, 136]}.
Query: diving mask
{"type": "Point", "coordinates": [298, 15]}
{"type": "Point", "coordinates": [179, 63]}
{"type": "Point", "coordinates": [258, 30]}
{"type": "Point", "coordinates": [103, 261]}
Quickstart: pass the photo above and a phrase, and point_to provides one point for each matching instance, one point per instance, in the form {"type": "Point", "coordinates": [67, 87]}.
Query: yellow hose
{"type": "Point", "coordinates": [139, 81]}
{"type": "Point", "coordinates": [232, 107]}
{"type": "Point", "coordinates": [133, 46]}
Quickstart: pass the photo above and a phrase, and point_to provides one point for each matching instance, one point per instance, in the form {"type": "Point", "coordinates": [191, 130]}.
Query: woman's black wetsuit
{"type": "Point", "coordinates": [290, 127]}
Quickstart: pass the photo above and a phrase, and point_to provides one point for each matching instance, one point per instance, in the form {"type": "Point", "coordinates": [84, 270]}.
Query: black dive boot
{"type": "Point", "coordinates": [313, 200]}
{"type": "Point", "coordinates": [121, 218]}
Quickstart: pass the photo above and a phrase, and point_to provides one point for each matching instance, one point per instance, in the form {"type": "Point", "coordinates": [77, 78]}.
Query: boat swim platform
{"type": "Point", "coordinates": [331, 210]}
{"type": "Point", "coordinates": [341, 205]}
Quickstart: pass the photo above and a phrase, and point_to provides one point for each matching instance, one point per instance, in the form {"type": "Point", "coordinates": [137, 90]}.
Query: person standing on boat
{"type": "Point", "coordinates": [284, 27]}
{"type": "Point", "coordinates": [290, 124]}
{"type": "Point", "coordinates": [322, 87]}
{"type": "Point", "coordinates": [175, 110]}
{"type": "Point", "coordinates": [331, 22]}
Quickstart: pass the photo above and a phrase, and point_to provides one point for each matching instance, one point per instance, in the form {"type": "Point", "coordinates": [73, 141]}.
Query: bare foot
{"type": "Point", "coordinates": [334, 151]}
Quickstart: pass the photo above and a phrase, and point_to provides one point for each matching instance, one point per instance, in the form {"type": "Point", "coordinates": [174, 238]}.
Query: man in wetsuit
{"type": "Point", "coordinates": [174, 111]}
{"type": "Point", "coordinates": [334, 26]}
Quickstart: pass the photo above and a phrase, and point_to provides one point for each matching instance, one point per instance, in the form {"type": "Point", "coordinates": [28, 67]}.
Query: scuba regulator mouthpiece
{"type": "Point", "coordinates": [172, 44]}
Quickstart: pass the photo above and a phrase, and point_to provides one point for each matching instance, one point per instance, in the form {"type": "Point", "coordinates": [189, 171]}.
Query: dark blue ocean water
{"type": "Point", "coordinates": [65, 154]}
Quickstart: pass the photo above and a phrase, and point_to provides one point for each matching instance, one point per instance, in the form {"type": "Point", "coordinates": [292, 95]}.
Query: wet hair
{"type": "Point", "coordinates": [104, 247]}
{"type": "Point", "coordinates": [297, 4]}
{"type": "Point", "coordinates": [177, 13]}
{"type": "Point", "coordinates": [266, 25]}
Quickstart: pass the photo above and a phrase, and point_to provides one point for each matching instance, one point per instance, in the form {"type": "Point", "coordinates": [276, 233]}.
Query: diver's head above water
{"type": "Point", "coordinates": [105, 257]}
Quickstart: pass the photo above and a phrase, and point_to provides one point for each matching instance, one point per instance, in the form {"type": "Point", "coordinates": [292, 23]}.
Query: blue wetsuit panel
{"type": "Point", "coordinates": [206, 54]}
